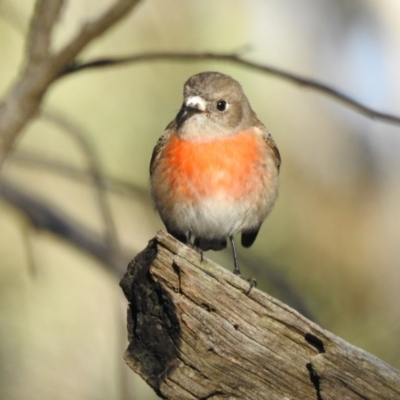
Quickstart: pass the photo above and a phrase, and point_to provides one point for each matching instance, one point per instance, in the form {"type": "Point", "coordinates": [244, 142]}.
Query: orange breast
{"type": "Point", "coordinates": [228, 167]}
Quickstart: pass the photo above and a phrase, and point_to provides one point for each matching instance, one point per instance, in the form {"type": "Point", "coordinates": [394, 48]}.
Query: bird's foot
{"type": "Point", "coordinates": [253, 284]}
{"type": "Point", "coordinates": [252, 281]}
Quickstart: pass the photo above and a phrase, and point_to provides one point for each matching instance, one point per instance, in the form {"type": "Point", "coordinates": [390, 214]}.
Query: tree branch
{"type": "Point", "coordinates": [23, 101]}
{"type": "Point", "coordinates": [92, 30]}
{"type": "Point", "coordinates": [121, 187]}
{"type": "Point", "coordinates": [195, 334]}
{"type": "Point", "coordinates": [44, 216]}
{"type": "Point", "coordinates": [45, 17]}
{"type": "Point", "coordinates": [238, 60]}
{"type": "Point", "coordinates": [95, 172]}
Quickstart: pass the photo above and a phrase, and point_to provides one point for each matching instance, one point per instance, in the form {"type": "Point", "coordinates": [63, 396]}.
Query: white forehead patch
{"type": "Point", "coordinates": [196, 102]}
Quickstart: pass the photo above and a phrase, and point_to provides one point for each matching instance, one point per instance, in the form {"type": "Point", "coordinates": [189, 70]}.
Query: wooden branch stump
{"type": "Point", "coordinates": [194, 333]}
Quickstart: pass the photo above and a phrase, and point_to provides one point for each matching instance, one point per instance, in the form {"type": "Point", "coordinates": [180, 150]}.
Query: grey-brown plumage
{"type": "Point", "coordinates": [214, 171]}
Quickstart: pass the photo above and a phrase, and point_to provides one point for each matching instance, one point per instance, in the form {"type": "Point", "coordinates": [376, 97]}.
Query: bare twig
{"type": "Point", "coordinates": [114, 185]}
{"type": "Point", "coordinates": [94, 29]}
{"type": "Point", "coordinates": [27, 236]}
{"type": "Point", "coordinates": [94, 169]}
{"type": "Point", "coordinates": [44, 216]}
{"type": "Point", "coordinates": [39, 41]}
{"type": "Point", "coordinates": [23, 101]}
{"type": "Point", "coordinates": [238, 60]}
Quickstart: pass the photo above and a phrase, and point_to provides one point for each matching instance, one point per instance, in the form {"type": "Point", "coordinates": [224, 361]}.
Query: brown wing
{"type": "Point", "coordinates": [277, 156]}
{"type": "Point", "coordinates": [160, 146]}
{"type": "Point", "coordinates": [249, 237]}
{"type": "Point", "coordinates": [262, 130]}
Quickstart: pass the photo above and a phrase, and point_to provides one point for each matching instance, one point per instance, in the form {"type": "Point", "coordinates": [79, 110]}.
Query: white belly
{"type": "Point", "coordinates": [220, 218]}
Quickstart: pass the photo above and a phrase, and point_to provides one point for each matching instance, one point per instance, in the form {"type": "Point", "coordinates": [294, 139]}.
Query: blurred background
{"type": "Point", "coordinates": [330, 248]}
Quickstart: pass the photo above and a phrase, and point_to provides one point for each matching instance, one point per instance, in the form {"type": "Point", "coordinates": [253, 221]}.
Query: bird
{"type": "Point", "coordinates": [214, 172]}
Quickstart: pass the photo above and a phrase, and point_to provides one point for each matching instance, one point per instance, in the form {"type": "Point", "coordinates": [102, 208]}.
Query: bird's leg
{"type": "Point", "coordinates": [236, 270]}
{"type": "Point", "coordinates": [190, 243]}
{"type": "Point", "coordinates": [189, 239]}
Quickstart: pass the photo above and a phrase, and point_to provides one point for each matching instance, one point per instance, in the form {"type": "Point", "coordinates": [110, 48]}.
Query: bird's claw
{"type": "Point", "coordinates": [253, 284]}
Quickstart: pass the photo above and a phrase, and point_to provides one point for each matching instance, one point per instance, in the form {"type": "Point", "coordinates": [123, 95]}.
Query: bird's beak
{"type": "Point", "coordinates": [192, 105]}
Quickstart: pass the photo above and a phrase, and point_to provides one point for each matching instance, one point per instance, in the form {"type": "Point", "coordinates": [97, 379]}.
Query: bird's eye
{"type": "Point", "coordinates": [222, 105]}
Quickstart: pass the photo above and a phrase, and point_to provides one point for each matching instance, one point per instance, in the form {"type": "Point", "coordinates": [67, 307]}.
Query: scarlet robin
{"type": "Point", "coordinates": [214, 171]}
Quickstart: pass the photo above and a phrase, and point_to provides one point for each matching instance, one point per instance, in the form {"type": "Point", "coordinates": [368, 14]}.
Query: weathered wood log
{"type": "Point", "coordinates": [195, 333]}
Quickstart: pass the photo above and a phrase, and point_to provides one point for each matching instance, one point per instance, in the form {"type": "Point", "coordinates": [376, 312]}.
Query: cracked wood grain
{"type": "Point", "coordinates": [195, 334]}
